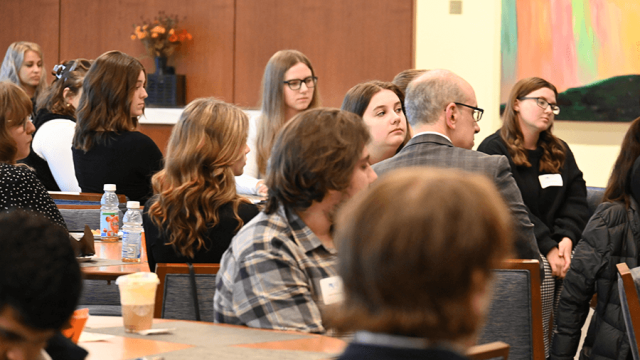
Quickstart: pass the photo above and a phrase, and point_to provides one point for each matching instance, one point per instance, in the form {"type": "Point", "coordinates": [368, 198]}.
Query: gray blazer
{"type": "Point", "coordinates": [435, 150]}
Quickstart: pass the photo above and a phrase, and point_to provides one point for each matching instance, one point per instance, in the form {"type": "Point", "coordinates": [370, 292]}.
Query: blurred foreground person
{"type": "Point", "coordinates": [39, 288]}
{"type": "Point", "coordinates": [416, 253]}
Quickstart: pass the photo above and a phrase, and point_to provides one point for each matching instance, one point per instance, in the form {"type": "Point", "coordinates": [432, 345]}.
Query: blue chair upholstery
{"type": "Point", "coordinates": [594, 198]}
{"type": "Point", "coordinates": [102, 297]}
{"type": "Point", "coordinates": [177, 301]}
{"type": "Point", "coordinates": [515, 312]}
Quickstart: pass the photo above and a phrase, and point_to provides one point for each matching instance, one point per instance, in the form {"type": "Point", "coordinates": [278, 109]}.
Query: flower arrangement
{"type": "Point", "coordinates": [160, 37]}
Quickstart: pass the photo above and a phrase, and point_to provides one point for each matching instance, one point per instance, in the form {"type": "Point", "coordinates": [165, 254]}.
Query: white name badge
{"type": "Point", "coordinates": [331, 289]}
{"type": "Point", "coordinates": [550, 180]}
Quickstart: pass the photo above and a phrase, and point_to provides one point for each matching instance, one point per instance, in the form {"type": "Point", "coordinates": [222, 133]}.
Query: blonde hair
{"type": "Point", "coordinates": [410, 263]}
{"type": "Point", "coordinates": [13, 60]}
{"type": "Point", "coordinates": [273, 106]}
{"type": "Point", "coordinates": [197, 179]}
{"type": "Point", "coordinates": [15, 106]}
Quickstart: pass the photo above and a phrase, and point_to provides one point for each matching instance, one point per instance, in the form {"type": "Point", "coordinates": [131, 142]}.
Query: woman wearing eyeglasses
{"type": "Point", "coordinates": [55, 124]}
{"type": "Point", "coordinates": [289, 87]}
{"type": "Point", "coordinates": [549, 179]}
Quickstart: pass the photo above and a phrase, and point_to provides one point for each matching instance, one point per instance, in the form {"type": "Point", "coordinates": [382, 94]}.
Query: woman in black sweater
{"type": "Point", "coordinates": [195, 211]}
{"type": "Point", "coordinates": [546, 172]}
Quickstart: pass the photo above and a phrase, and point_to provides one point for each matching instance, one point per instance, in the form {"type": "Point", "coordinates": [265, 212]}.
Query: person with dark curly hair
{"type": "Point", "coordinates": [270, 277]}
{"type": "Point", "coordinates": [39, 287]}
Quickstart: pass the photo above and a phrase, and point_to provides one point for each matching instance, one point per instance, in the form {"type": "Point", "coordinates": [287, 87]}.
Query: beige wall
{"type": "Point", "coordinates": [469, 45]}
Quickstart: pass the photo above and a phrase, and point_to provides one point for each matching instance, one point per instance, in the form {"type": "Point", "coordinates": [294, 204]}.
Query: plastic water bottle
{"type": "Point", "coordinates": [109, 214]}
{"type": "Point", "coordinates": [132, 233]}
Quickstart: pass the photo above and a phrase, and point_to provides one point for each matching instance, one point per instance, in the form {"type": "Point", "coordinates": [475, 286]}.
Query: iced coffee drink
{"type": "Point", "coordinates": [137, 297]}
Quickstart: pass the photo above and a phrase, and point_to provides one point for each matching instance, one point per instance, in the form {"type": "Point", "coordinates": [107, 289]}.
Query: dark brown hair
{"type": "Point", "coordinates": [68, 75]}
{"type": "Point", "coordinates": [404, 77]}
{"type": "Point", "coordinates": [15, 106]}
{"type": "Point", "coordinates": [415, 248]}
{"type": "Point", "coordinates": [553, 150]}
{"type": "Point", "coordinates": [358, 98]}
{"type": "Point", "coordinates": [315, 152]}
{"type": "Point", "coordinates": [619, 186]}
{"type": "Point", "coordinates": [105, 103]}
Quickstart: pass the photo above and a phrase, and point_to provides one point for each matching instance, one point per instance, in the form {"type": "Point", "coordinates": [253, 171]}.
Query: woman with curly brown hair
{"type": "Point", "coordinates": [546, 172]}
{"type": "Point", "coordinates": [195, 211]}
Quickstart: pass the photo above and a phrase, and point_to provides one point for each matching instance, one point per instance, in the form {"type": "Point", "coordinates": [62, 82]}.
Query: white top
{"type": "Point", "coordinates": [53, 143]}
{"type": "Point", "coordinates": [247, 183]}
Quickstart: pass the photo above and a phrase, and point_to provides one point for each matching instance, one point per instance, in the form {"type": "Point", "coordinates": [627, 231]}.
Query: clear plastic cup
{"type": "Point", "coordinates": [137, 297]}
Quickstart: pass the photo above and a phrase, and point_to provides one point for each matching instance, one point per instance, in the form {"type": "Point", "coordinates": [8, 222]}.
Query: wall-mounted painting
{"type": "Point", "coordinates": [589, 49]}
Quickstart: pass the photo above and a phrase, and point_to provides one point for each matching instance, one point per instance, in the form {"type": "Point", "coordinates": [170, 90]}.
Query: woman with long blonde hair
{"type": "Point", "coordinates": [195, 210]}
{"type": "Point", "coordinates": [289, 87]}
{"type": "Point", "coordinates": [22, 65]}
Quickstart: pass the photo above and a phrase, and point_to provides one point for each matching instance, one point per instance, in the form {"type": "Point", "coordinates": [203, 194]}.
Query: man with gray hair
{"type": "Point", "coordinates": [442, 110]}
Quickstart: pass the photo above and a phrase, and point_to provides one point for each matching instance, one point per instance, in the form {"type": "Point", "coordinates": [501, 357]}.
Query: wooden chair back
{"type": "Point", "coordinates": [630, 304]}
{"type": "Point", "coordinates": [494, 350]}
{"type": "Point", "coordinates": [163, 270]}
{"type": "Point", "coordinates": [515, 313]}
{"type": "Point", "coordinates": [95, 197]}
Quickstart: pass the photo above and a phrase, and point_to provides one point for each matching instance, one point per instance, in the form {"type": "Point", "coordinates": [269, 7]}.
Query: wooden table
{"type": "Point", "coordinates": [113, 250]}
{"type": "Point", "coordinates": [218, 341]}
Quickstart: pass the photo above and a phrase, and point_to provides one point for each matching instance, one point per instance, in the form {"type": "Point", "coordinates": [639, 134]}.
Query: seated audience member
{"type": "Point", "coordinates": [381, 106]}
{"type": "Point", "coordinates": [270, 275]}
{"type": "Point", "coordinates": [195, 210]}
{"type": "Point", "coordinates": [548, 177]}
{"type": "Point", "coordinates": [289, 86]}
{"type": "Point", "coordinates": [39, 288]}
{"type": "Point", "coordinates": [55, 124]}
{"type": "Point", "coordinates": [610, 237]}
{"type": "Point", "coordinates": [19, 187]}
{"type": "Point", "coordinates": [416, 280]}
{"type": "Point", "coordinates": [442, 109]}
{"type": "Point", "coordinates": [106, 147]}
{"type": "Point", "coordinates": [22, 65]}
{"type": "Point", "coordinates": [405, 77]}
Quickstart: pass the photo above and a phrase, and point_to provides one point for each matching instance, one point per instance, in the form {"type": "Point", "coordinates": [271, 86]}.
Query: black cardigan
{"type": "Point", "coordinates": [556, 211]}
{"type": "Point", "coordinates": [217, 239]}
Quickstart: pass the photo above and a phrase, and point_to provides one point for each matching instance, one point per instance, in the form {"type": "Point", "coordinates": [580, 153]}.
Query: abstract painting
{"type": "Point", "coordinates": [589, 49]}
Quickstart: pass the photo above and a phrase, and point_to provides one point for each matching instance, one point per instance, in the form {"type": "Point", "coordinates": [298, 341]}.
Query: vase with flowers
{"type": "Point", "coordinates": [161, 38]}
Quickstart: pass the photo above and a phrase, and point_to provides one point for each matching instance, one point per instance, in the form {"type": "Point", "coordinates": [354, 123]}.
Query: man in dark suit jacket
{"type": "Point", "coordinates": [442, 110]}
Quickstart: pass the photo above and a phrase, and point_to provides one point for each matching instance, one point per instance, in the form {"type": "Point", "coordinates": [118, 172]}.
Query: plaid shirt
{"type": "Point", "coordinates": [270, 275]}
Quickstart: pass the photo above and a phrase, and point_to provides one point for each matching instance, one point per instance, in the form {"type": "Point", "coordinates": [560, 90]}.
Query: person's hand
{"type": "Point", "coordinates": [555, 262]}
{"type": "Point", "coordinates": [262, 188]}
{"type": "Point", "coordinates": [564, 252]}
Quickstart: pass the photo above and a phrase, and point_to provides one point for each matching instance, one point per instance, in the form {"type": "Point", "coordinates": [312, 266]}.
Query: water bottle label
{"type": "Point", "coordinates": [131, 242]}
{"type": "Point", "coordinates": [109, 223]}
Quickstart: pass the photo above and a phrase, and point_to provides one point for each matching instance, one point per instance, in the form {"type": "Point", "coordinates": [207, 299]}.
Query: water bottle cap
{"type": "Point", "coordinates": [133, 204]}
{"type": "Point", "coordinates": [109, 187]}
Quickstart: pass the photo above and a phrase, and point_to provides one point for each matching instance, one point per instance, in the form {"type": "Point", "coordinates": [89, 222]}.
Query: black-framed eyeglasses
{"type": "Point", "coordinates": [477, 112]}
{"type": "Point", "coordinates": [543, 104]}
{"type": "Point", "coordinates": [296, 84]}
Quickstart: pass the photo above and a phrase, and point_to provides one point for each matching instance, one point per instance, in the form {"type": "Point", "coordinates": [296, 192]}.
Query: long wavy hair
{"type": "Point", "coordinates": [15, 106]}
{"type": "Point", "coordinates": [69, 75]}
{"type": "Point", "coordinates": [272, 107]}
{"type": "Point", "coordinates": [619, 186]}
{"type": "Point", "coordinates": [13, 60]}
{"type": "Point", "coordinates": [105, 104]}
{"type": "Point", "coordinates": [553, 150]}
{"type": "Point", "coordinates": [197, 179]}
{"type": "Point", "coordinates": [358, 98]}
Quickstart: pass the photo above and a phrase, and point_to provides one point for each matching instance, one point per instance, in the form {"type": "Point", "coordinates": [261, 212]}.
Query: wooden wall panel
{"type": "Point", "coordinates": [347, 41]}
{"type": "Point", "coordinates": [31, 20]}
{"type": "Point", "coordinates": [90, 28]}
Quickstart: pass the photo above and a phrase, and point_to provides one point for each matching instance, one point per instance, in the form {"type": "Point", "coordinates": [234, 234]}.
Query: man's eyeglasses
{"type": "Point", "coordinates": [477, 112]}
{"type": "Point", "coordinates": [296, 84]}
{"type": "Point", "coordinates": [543, 104]}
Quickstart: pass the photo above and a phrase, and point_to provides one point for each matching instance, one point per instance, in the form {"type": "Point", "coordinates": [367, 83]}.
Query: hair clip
{"type": "Point", "coordinates": [58, 69]}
